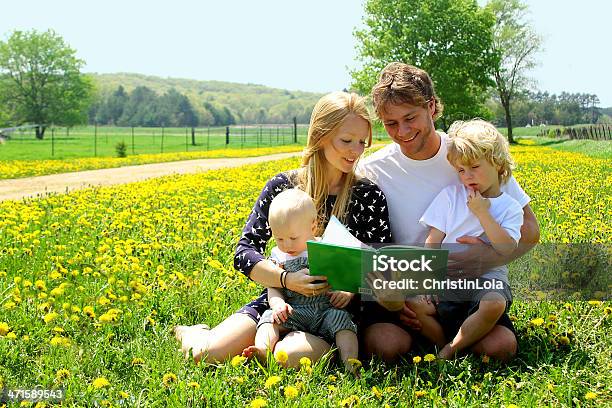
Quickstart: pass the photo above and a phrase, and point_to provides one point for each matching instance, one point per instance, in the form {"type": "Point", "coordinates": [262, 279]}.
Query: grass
{"type": "Point", "coordinates": [92, 282]}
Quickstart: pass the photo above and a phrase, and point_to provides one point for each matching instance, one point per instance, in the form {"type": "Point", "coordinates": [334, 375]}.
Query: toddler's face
{"type": "Point", "coordinates": [480, 176]}
{"type": "Point", "coordinates": [291, 237]}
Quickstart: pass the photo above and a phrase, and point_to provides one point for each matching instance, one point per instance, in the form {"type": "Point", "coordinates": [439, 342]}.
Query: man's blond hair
{"type": "Point", "coordinates": [290, 205]}
{"type": "Point", "coordinates": [475, 139]}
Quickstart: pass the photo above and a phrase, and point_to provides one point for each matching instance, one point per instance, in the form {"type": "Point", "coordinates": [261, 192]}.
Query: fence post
{"type": "Point", "coordinates": [193, 143]}
{"type": "Point", "coordinates": [294, 129]}
{"type": "Point", "coordinates": [227, 133]}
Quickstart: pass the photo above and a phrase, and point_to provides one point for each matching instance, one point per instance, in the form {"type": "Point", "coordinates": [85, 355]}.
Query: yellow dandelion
{"type": "Point", "coordinates": [590, 395]}
{"type": "Point", "coordinates": [4, 328]}
{"type": "Point", "coordinates": [290, 392]}
{"type": "Point", "coordinates": [11, 336]}
{"type": "Point", "coordinates": [237, 360]}
{"type": "Point", "coordinates": [538, 321]}
{"type": "Point", "coordinates": [595, 302]}
{"type": "Point", "coordinates": [137, 361]}
{"type": "Point", "coordinates": [350, 401]}
{"type": "Point", "coordinates": [377, 392]}
{"type": "Point", "coordinates": [258, 403]}
{"type": "Point", "coordinates": [100, 382]}
{"type": "Point", "coordinates": [512, 406]}
{"type": "Point", "coordinates": [60, 341]}
{"type": "Point", "coordinates": [168, 379]}
{"type": "Point", "coordinates": [420, 393]}
{"type": "Point", "coordinates": [355, 363]}
{"type": "Point", "coordinates": [49, 317]}
{"type": "Point", "coordinates": [568, 306]}
{"type": "Point", "coordinates": [123, 395]}
{"type": "Point", "coordinates": [564, 340]}
{"type": "Point", "coordinates": [608, 310]}
{"type": "Point", "coordinates": [62, 374]}
{"type": "Point", "coordinates": [331, 378]}
{"type": "Point", "coordinates": [272, 381]}
{"type": "Point", "coordinates": [416, 359]}
{"type": "Point", "coordinates": [193, 385]}
{"type": "Point", "coordinates": [281, 356]}
{"type": "Point", "coordinates": [305, 361]}
{"type": "Point", "coordinates": [429, 358]}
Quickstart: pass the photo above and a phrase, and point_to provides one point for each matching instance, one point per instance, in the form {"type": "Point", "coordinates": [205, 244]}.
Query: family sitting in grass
{"type": "Point", "coordinates": [426, 188]}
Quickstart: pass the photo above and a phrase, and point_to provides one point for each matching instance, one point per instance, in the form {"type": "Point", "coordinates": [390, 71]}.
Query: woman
{"type": "Point", "coordinates": [340, 130]}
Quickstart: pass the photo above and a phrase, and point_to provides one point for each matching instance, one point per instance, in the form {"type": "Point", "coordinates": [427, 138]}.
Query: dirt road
{"type": "Point", "coordinates": [16, 189]}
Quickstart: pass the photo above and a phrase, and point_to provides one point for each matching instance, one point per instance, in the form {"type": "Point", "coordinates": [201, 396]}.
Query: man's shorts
{"type": "Point", "coordinates": [319, 319]}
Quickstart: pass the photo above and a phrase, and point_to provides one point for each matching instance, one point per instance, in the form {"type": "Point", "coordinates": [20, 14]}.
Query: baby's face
{"type": "Point", "coordinates": [291, 237]}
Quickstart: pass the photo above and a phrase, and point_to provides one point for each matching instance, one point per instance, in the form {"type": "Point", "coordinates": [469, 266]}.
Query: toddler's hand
{"type": "Point", "coordinates": [340, 299]}
{"type": "Point", "coordinates": [477, 203]}
{"type": "Point", "coordinates": [281, 312]}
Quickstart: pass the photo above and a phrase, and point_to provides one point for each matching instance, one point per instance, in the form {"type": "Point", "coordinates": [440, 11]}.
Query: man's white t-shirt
{"type": "Point", "coordinates": [450, 214]}
{"type": "Point", "coordinates": [411, 185]}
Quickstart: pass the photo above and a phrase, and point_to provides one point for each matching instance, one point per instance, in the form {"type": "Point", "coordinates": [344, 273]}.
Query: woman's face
{"type": "Point", "coordinates": [344, 148]}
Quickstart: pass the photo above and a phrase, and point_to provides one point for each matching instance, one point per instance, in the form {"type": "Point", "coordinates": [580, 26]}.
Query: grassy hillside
{"type": "Point", "coordinates": [245, 100]}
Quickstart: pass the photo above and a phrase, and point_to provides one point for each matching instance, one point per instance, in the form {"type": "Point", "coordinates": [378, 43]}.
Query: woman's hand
{"type": "Point", "coordinates": [340, 299]}
{"type": "Point", "coordinates": [304, 284]}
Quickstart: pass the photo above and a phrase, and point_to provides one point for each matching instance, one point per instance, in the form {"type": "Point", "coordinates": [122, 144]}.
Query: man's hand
{"type": "Point", "coordinates": [281, 312]}
{"type": "Point", "coordinates": [340, 299]}
{"type": "Point", "coordinates": [470, 263]}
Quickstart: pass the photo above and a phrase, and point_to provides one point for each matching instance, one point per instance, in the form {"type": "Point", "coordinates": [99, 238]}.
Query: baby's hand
{"type": "Point", "coordinates": [340, 299]}
{"type": "Point", "coordinates": [281, 312]}
{"type": "Point", "coordinates": [477, 203]}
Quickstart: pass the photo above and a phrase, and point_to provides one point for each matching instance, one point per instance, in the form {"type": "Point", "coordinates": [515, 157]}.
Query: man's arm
{"type": "Point", "coordinates": [481, 257]}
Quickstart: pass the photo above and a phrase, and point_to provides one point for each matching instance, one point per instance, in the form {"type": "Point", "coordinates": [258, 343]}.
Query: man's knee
{"type": "Point", "coordinates": [500, 343]}
{"type": "Point", "coordinates": [387, 341]}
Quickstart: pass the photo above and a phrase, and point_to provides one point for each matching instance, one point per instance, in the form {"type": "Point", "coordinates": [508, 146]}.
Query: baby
{"type": "Point", "coordinates": [476, 207]}
{"type": "Point", "coordinates": [293, 221]}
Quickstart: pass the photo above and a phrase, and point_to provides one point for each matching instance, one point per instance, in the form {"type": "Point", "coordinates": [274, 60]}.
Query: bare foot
{"type": "Point", "coordinates": [254, 351]}
{"type": "Point", "coordinates": [447, 353]}
{"type": "Point", "coordinates": [193, 340]}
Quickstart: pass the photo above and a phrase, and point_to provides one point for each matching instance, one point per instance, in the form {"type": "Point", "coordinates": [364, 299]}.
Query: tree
{"type": "Point", "coordinates": [516, 44]}
{"type": "Point", "coordinates": [41, 82]}
{"type": "Point", "coordinates": [450, 39]}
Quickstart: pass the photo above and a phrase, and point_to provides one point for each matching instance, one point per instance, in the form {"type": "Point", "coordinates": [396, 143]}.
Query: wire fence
{"type": "Point", "coordinates": [102, 141]}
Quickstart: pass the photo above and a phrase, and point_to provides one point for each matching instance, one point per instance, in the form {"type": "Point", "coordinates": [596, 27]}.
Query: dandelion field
{"type": "Point", "coordinates": [91, 284]}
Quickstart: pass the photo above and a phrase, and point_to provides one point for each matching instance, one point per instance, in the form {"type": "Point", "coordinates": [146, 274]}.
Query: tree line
{"type": "Point", "coordinates": [566, 109]}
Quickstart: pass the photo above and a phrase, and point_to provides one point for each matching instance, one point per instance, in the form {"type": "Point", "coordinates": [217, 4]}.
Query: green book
{"type": "Point", "coordinates": [346, 262]}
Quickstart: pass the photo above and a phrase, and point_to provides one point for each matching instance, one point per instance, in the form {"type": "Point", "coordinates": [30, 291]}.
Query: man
{"type": "Point", "coordinates": [411, 172]}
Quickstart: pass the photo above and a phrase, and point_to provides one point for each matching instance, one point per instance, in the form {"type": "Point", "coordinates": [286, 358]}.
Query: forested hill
{"type": "Point", "coordinates": [212, 102]}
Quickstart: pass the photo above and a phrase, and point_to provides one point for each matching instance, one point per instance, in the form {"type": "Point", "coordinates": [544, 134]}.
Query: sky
{"type": "Point", "coordinates": [297, 45]}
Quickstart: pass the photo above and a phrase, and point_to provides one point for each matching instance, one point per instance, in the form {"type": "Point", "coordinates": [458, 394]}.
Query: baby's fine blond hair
{"type": "Point", "coordinates": [289, 205]}
{"type": "Point", "coordinates": [476, 139]}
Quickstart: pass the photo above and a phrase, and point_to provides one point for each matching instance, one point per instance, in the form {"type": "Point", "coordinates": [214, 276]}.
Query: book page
{"type": "Point", "coordinates": [337, 234]}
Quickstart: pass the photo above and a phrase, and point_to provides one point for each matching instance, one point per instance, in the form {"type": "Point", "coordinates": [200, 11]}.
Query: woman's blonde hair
{"type": "Point", "coordinates": [475, 139]}
{"type": "Point", "coordinates": [327, 116]}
